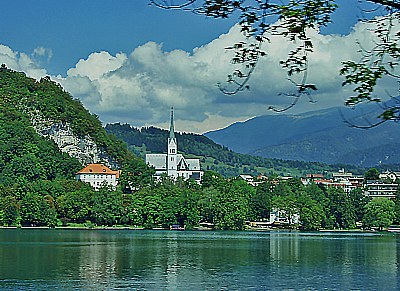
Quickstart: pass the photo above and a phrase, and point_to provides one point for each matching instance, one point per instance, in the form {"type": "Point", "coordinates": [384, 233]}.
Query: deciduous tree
{"type": "Point", "coordinates": [311, 214]}
{"type": "Point", "coordinates": [107, 206]}
{"type": "Point", "coordinates": [341, 209]}
{"type": "Point", "coordinates": [372, 174]}
{"type": "Point", "coordinates": [379, 212]}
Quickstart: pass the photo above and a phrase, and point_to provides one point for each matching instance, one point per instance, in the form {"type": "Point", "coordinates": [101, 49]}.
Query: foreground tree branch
{"type": "Point", "coordinates": [389, 4]}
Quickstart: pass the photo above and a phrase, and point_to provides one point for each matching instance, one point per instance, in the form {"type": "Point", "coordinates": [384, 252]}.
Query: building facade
{"type": "Point", "coordinates": [97, 175]}
{"type": "Point", "coordinates": [376, 188]}
{"type": "Point", "coordinates": [172, 163]}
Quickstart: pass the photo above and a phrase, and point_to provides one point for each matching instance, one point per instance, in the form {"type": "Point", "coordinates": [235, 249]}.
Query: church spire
{"type": "Point", "coordinates": [172, 159]}
{"type": "Point", "coordinates": [171, 126]}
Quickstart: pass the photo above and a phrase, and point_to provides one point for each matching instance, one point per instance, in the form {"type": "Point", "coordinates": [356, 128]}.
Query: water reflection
{"type": "Point", "coordinates": [153, 260]}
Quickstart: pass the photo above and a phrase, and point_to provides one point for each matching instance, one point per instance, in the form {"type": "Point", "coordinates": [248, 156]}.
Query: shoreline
{"type": "Point", "coordinates": [393, 229]}
{"type": "Point", "coordinates": [89, 228]}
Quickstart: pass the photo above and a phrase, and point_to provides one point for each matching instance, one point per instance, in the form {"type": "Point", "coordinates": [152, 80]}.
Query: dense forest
{"type": "Point", "coordinates": [38, 187]}
{"type": "Point", "coordinates": [214, 156]}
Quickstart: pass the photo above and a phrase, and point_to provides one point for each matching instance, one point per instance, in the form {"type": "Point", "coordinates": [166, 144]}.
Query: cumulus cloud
{"type": "Point", "coordinates": [140, 87]}
{"type": "Point", "coordinates": [20, 62]}
{"type": "Point", "coordinates": [97, 64]}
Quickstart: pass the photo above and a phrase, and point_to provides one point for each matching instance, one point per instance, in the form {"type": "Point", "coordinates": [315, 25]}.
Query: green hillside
{"type": "Point", "coordinates": [24, 97]}
{"type": "Point", "coordinates": [37, 180]}
{"type": "Point", "coordinates": [214, 156]}
{"type": "Point", "coordinates": [24, 155]}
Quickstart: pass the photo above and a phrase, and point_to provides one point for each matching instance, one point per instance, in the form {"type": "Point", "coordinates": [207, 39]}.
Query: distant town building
{"type": "Point", "coordinates": [388, 175]}
{"type": "Point", "coordinates": [285, 178]}
{"type": "Point", "coordinates": [347, 180]}
{"type": "Point", "coordinates": [249, 179]}
{"type": "Point", "coordinates": [376, 188]}
{"type": "Point", "coordinates": [97, 175]}
{"type": "Point", "coordinates": [173, 164]}
{"type": "Point", "coordinates": [341, 175]}
{"type": "Point", "coordinates": [316, 176]}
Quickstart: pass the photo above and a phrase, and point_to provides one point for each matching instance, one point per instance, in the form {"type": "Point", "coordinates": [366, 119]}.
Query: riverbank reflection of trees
{"type": "Point", "coordinates": [40, 259]}
{"type": "Point", "coordinates": [225, 203]}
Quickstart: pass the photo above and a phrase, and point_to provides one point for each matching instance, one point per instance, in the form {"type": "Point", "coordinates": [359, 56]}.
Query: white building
{"type": "Point", "coordinates": [347, 180]}
{"type": "Point", "coordinates": [173, 164]}
{"type": "Point", "coordinates": [376, 188]}
{"type": "Point", "coordinates": [280, 217]}
{"type": "Point", "coordinates": [341, 176]}
{"type": "Point", "coordinates": [97, 174]}
{"type": "Point", "coordinates": [249, 179]}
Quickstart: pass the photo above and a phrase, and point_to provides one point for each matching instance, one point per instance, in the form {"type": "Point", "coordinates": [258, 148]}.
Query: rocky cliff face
{"type": "Point", "coordinates": [82, 148]}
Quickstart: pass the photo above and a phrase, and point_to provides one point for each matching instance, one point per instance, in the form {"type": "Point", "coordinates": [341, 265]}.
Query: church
{"type": "Point", "coordinates": [173, 164]}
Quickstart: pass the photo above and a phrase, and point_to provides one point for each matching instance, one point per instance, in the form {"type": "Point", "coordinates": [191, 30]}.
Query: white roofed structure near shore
{"type": "Point", "coordinates": [98, 175]}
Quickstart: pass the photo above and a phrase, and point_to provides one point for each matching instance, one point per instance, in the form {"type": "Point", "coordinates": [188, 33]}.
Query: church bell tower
{"type": "Point", "coordinates": [172, 150]}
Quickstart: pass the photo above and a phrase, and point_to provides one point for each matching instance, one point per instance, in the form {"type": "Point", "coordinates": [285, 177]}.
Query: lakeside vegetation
{"type": "Point", "coordinates": [227, 204]}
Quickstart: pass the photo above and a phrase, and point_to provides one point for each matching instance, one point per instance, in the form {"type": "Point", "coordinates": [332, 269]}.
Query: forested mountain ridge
{"type": "Point", "coordinates": [318, 136]}
{"type": "Point", "coordinates": [213, 156]}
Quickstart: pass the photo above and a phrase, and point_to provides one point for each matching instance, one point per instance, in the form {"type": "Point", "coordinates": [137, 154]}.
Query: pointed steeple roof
{"type": "Point", "coordinates": [171, 126]}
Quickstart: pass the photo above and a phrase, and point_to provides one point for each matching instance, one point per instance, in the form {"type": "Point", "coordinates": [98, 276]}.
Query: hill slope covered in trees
{"type": "Point", "coordinates": [37, 179]}
{"type": "Point", "coordinates": [25, 102]}
{"type": "Point", "coordinates": [214, 156]}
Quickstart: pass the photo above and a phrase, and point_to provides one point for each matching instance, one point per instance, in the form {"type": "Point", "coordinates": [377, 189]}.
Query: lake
{"type": "Point", "coordinates": [40, 259]}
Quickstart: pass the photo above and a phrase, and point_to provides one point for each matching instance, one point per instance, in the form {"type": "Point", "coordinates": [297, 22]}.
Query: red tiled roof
{"type": "Point", "coordinates": [98, 169]}
{"type": "Point", "coordinates": [322, 181]}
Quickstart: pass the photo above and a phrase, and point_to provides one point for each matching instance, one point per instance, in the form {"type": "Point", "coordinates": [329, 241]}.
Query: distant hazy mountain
{"type": "Point", "coordinates": [313, 136]}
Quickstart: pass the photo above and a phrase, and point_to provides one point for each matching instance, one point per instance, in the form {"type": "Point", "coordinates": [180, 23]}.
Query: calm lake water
{"type": "Point", "coordinates": [39, 259]}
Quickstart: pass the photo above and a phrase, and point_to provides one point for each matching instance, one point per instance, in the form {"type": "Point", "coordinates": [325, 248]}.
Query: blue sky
{"type": "Point", "coordinates": [130, 62]}
{"type": "Point", "coordinates": [73, 29]}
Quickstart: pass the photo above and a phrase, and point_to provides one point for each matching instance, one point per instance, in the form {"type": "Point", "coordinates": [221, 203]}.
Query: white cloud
{"type": "Point", "coordinates": [97, 65]}
{"type": "Point", "coordinates": [151, 80]}
{"type": "Point", "coordinates": [20, 62]}
{"type": "Point", "coordinates": [43, 52]}
{"type": "Point", "coordinates": [139, 88]}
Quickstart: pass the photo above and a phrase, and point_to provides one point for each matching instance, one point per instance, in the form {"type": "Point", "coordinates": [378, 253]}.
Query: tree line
{"type": "Point", "coordinates": [227, 204]}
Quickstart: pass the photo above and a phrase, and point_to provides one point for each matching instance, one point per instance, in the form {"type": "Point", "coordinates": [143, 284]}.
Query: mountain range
{"type": "Point", "coordinates": [318, 136]}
